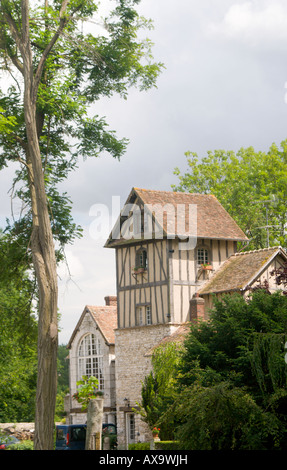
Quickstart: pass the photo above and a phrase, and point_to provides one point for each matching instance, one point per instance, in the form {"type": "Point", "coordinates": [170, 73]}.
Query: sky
{"type": "Point", "coordinates": [224, 86]}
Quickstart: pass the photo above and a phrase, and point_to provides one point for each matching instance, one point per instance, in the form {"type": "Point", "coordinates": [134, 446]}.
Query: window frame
{"type": "Point", "coordinates": [205, 258]}
{"type": "Point", "coordinates": [90, 358]}
{"type": "Point", "coordinates": [143, 315]}
{"type": "Point", "coordinates": [141, 260]}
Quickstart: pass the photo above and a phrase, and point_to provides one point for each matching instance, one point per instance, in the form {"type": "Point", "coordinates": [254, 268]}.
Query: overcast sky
{"type": "Point", "coordinates": [224, 87]}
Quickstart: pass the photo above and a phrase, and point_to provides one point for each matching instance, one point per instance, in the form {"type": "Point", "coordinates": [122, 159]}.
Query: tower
{"type": "Point", "coordinates": [166, 245]}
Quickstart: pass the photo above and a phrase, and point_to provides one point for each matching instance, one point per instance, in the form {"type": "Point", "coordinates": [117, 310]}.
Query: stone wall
{"type": "Point", "coordinates": [133, 363]}
{"type": "Point", "coordinates": [74, 416]}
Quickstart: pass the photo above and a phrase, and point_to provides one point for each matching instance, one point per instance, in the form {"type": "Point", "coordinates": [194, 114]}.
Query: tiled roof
{"type": "Point", "coordinates": [104, 317]}
{"type": "Point", "coordinates": [240, 270]}
{"type": "Point", "coordinates": [213, 221]}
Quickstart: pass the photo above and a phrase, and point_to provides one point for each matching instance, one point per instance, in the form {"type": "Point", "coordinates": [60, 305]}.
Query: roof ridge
{"type": "Point", "coordinates": [172, 192]}
{"type": "Point", "coordinates": [100, 306]}
{"type": "Point", "coordinates": [257, 251]}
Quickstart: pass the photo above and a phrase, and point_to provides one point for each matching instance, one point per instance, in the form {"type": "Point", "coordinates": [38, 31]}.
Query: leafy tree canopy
{"type": "Point", "coordinates": [18, 336]}
{"type": "Point", "coordinates": [252, 187]}
{"type": "Point", "coordinates": [75, 69]}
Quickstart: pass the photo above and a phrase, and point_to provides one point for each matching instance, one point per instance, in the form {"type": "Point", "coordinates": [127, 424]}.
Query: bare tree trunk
{"type": "Point", "coordinates": [44, 260]}
{"type": "Point", "coordinates": [43, 253]}
{"type": "Point", "coordinates": [42, 245]}
{"type": "Point", "coordinates": [94, 424]}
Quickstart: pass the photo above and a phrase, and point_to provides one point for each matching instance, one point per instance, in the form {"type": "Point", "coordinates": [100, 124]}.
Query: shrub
{"type": "Point", "coordinates": [140, 446]}
{"type": "Point", "coordinates": [23, 445]}
{"type": "Point", "coordinates": [167, 445]}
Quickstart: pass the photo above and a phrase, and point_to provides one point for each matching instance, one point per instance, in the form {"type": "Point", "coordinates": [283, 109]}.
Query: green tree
{"type": "Point", "coordinates": [251, 186]}
{"type": "Point", "coordinates": [63, 368]}
{"type": "Point", "coordinates": [18, 336]}
{"type": "Point", "coordinates": [223, 417]}
{"type": "Point", "coordinates": [59, 71]}
{"type": "Point", "coordinates": [242, 345]}
{"type": "Point", "coordinates": [159, 389]}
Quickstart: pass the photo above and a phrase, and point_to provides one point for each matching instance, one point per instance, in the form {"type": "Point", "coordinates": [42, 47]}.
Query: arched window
{"type": "Point", "coordinates": [90, 357]}
{"type": "Point", "coordinates": [141, 258]}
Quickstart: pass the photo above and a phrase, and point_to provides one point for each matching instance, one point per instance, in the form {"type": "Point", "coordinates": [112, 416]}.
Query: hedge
{"type": "Point", "coordinates": [158, 445]}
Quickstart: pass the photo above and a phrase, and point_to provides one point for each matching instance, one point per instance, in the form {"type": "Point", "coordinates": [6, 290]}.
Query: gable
{"type": "Point", "coordinates": [241, 270]}
{"type": "Point", "coordinates": [179, 214]}
{"type": "Point", "coordinates": [104, 318]}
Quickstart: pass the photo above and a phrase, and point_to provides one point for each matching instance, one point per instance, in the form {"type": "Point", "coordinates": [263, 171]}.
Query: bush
{"type": "Point", "coordinates": [224, 417]}
{"type": "Point", "coordinates": [158, 445]}
{"type": "Point", "coordinates": [23, 445]}
{"type": "Point", "coordinates": [167, 445]}
{"type": "Point", "coordinates": [140, 446]}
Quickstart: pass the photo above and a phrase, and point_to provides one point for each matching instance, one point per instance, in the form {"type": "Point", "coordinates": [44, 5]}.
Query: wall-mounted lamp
{"type": "Point", "coordinates": [127, 402]}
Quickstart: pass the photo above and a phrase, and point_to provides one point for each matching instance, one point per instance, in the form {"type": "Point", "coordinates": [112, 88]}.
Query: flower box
{"type": "Point", "coordinates": [139, 270]}
{"type": "Point", "coordinates": [206, 267]}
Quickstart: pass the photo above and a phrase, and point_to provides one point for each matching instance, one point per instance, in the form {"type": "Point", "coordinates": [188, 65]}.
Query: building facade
{"type": "Point", "coordinates": [92, 353]}
{"type": "Point", "coordinates": [161, 262]}
{"type": "Point", "coordinates": [174, 252]}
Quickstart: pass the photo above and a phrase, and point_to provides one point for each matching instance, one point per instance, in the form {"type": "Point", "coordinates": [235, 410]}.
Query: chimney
{"type": "Point", "coordinates": [197, 311]}
{"type": "Point", "coordinates": [111, 300]}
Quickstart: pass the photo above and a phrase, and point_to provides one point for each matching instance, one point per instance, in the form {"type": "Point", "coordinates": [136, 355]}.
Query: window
{"type": "Point", "coordinates": [202, 256]}
{"type": "Point", "coordinates": [148, 315]}
{"type": "Point", "coordinates": [141, 258]}
{"type": "Point", "coordinates": [139, 316]}
{"type": "Point", "coordinates": [143, 315]}
{"type": "Point", "coordinates": [91, 359]}
{"type": "Point", "coordinates": [130, 427]}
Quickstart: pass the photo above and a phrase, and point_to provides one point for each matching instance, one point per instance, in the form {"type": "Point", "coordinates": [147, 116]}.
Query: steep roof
{"type": "Point", "coordinates": [240, 270]}
{"type": "Point", "coordinates": [213, 221]}
{"type": "Point", "coordinates": [105, 319]}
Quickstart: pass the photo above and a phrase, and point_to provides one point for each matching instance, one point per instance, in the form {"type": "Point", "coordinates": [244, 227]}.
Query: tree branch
{"type": "Point", "coordinates": [63, 22]}
{"type": "Point", "coordinates": [16, 36]}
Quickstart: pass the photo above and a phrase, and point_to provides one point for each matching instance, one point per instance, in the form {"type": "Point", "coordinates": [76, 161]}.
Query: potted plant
{"type": "Point", "coordinates": [155, 432]}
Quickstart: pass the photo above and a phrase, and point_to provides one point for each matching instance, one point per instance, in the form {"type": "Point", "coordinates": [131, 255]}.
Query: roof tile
{"type": "Point", "coordinates": [238, 271]}
{"type": "Point", "coordinates": [213, 221]}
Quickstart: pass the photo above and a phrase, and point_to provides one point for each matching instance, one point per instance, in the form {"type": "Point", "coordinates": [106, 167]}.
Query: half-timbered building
{"type": "Point", "coordinates": [174, 251]}
{"type": "Point", "coordinates": [167, 245]}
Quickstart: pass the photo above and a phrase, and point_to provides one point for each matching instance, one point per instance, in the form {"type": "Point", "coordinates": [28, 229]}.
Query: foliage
{"type": "Point", "coordinates": [18, 335]}
{"type": "Point", "coordinates": [63, 369]}
{"type": "Point", "coordinates": [224, 346]}
{"type": "Point", "coordinates": [87, 390]}
{"type": "Point", "coordinates": [167, 445]}
{"type": "Point", "coordinates": [246, 183]}
{"type": "Point", "coordinates": [158, 389]}
{"type": "Point", "coordinates": [23, 445]}
{"type": "Point", "coordinates": [158, 445]}
{"type": "Point", "coordinates": [73, 68]}
{"type": "Point", "coordinates": [140, 446]}
{"type": "Point", "coordinates": [280, 274]}
{"type": "Point", "coordinates": [224, 417]}
{"type": "Point", "coordinates": [229, 382]}
{"type": "Point", "coordinates": [233, 368]}
{"type": "Point", "coordinates": [59, 70]}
